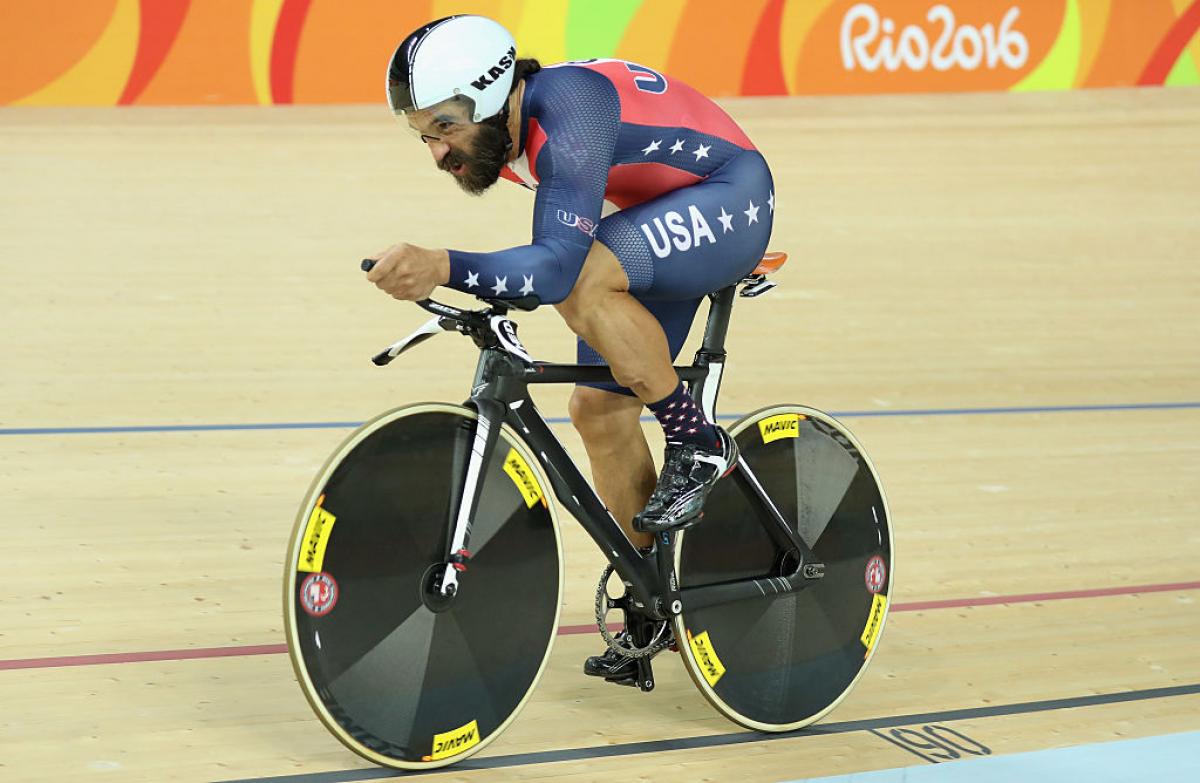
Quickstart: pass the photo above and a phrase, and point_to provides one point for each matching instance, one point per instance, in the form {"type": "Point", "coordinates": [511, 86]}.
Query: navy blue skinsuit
{"type": "Point", "coordinates": [644, 164]}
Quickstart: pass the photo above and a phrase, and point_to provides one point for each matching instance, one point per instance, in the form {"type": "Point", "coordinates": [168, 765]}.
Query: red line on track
{"type": "Point", "coordinates": [143, 657]}
{"type": "Point", "coordinates": [275, 649]}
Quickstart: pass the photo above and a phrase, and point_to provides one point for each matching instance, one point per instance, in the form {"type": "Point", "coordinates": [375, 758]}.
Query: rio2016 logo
{"type": "Point", "coordinates": [870, 42]}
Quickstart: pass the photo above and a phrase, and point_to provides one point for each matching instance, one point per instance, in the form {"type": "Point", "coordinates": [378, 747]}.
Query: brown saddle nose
{"type": "Point", "coordinates": [771, 262]}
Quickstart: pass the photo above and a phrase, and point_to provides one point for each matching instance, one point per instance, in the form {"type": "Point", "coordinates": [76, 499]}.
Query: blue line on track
{"type": "Point", "coordinates": [343, 425]}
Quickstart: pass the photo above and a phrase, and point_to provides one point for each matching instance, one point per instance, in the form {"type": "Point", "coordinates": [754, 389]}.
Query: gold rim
{"type": "Point", "coordinates": [289, 581]}
{"type": "Point", "coordinates": [689, 659]}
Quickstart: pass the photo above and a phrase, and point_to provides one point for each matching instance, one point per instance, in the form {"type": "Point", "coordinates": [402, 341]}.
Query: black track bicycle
{"type": "Point", "coordinates": [424, 575]}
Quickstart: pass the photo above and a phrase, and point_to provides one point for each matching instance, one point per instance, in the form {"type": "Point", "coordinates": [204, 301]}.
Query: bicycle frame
{"type": "Point", "coordinates": [500, 394]}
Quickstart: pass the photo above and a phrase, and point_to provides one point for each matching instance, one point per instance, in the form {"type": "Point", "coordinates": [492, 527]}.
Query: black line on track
{"type": "Point", "coordinates": [718, 740]}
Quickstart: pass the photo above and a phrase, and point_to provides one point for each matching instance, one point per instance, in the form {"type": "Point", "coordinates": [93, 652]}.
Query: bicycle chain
{"type": "Point", "coordinates": [662, 637]}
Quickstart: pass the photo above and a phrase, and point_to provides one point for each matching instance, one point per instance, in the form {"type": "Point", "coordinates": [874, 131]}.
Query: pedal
{"type": "Point", "coordinates": [629, 672]}
{"type": "Point", "coordinates": [630, 678]}
{"type": "Point", "coordinates": [647, 637]}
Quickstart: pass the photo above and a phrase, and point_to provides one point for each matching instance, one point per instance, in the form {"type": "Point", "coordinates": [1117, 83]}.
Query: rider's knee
{"type": "Point", "coordinates": [601, 417]}
{"type": "Point", "coordinates": [633, 380]}
{"type": "Point", "coordinates": [587, 410]}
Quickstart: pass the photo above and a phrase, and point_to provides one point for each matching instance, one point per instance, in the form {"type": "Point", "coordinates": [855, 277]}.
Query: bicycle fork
{"type": "Point", "coordinates": [465, 493]}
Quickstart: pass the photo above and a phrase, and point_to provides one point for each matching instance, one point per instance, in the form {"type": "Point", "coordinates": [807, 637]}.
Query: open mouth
{"type": "Point", "coordinates": [458, 170]}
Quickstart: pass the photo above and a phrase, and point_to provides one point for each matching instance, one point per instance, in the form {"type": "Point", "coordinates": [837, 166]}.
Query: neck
{"type": "Point", "coordinates": [514, 120]}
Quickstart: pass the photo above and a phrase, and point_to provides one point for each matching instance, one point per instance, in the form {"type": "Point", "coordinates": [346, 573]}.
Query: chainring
{"type": "Point", "coordinates": [661, 640]}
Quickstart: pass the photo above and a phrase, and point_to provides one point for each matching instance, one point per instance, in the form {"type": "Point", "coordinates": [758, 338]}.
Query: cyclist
{"type": "Point", "coordinates": [648, 198]}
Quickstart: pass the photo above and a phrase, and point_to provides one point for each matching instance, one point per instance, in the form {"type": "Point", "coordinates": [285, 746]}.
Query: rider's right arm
{"type": "Point", "coordinates": [580, 113]}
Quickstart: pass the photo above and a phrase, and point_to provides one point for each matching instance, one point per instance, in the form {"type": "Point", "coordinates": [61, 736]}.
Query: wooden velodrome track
{"type": "Point", "coordinates": [953, 258]}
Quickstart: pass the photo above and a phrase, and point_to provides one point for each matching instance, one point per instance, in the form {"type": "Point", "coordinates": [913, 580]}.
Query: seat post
{"type": "Point", "coordinates": [718, 321]}
{"type": "Point", "coordinates": [711, 355]}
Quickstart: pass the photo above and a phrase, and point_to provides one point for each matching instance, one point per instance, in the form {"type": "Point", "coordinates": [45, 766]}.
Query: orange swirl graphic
{"type": "Point", "coordinates": [27, 60]}
{"type": "Point", "coordinates": [160, 23]}
{"type": "Point", "coordinates": [763, 71]}
{"type": "Point", "coordinates": [1172, 46]}
{"type": "Point", "coordinates": [284, 48]}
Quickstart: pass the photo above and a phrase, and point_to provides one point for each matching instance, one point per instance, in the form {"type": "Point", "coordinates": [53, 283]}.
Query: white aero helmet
{"type": "Point", "coordinates": [462, 58]}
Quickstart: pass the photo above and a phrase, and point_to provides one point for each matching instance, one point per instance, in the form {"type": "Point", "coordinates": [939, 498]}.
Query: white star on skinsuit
{"type": "Point", "coordinates": [472, 279]}
{"type": "Point", "coordinates": [501, 285]}
{"type": "Point", "coordinates": [771, 202]}
{"type": "Point", "coordinates": [677, 146]}
{"type": "Point", "coordinates": [726, 221]}
{"type": "Point", "coordinates": [751, 213]}
{"type": "Point", "coordinates": [527, 289]}
{"type": "Point", "coordinates": [701, 151]}
{"type": "Point", "coordinates": [653, 146]}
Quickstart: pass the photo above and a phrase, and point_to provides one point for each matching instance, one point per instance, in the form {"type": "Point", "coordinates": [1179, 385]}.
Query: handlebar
{"type": "Point", "coordinates": [526, 303]}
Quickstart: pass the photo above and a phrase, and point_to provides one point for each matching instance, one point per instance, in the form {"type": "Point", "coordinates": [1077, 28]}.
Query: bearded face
{"type": "Point", "coordinates": [471, 152]}
{"type": "Point", "coordinates": [476, 163]}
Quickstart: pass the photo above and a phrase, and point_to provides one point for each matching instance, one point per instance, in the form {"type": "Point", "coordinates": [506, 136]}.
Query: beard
{"type": "Point", "coordinates": [482, 165]}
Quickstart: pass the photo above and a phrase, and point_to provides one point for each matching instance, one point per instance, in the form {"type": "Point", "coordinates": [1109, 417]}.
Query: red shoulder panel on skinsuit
{"type": "Point", "coordinates": [677, 106]}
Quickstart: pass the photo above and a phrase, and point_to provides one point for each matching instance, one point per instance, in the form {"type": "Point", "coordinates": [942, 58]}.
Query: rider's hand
{"type": "Point", "coordinates": [409, 272]}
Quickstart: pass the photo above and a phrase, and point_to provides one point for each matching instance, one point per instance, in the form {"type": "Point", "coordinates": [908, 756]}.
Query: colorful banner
{"type": "Point", "coordinates": [155, 52]}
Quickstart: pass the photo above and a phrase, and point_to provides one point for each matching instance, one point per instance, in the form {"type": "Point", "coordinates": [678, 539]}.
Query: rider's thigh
{"type": "Point", "coordinates": [675, 318]}
{"type": "Point", "coordinates": [601, 415]}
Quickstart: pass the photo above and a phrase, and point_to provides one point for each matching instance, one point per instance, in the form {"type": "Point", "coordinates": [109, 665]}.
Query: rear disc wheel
{"type": "Point", "coordinates": [783, 660]}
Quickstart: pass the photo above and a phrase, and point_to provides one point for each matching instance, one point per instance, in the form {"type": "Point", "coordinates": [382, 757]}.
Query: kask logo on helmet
{"type": "Point", "coordinates": [497, 70]}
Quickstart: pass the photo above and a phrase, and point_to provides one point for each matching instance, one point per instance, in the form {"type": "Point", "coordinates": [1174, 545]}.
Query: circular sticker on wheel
{"type": "Point", "coordinates": [876, 574]}
{"type": "Point", "coordinates": [318, 594]}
